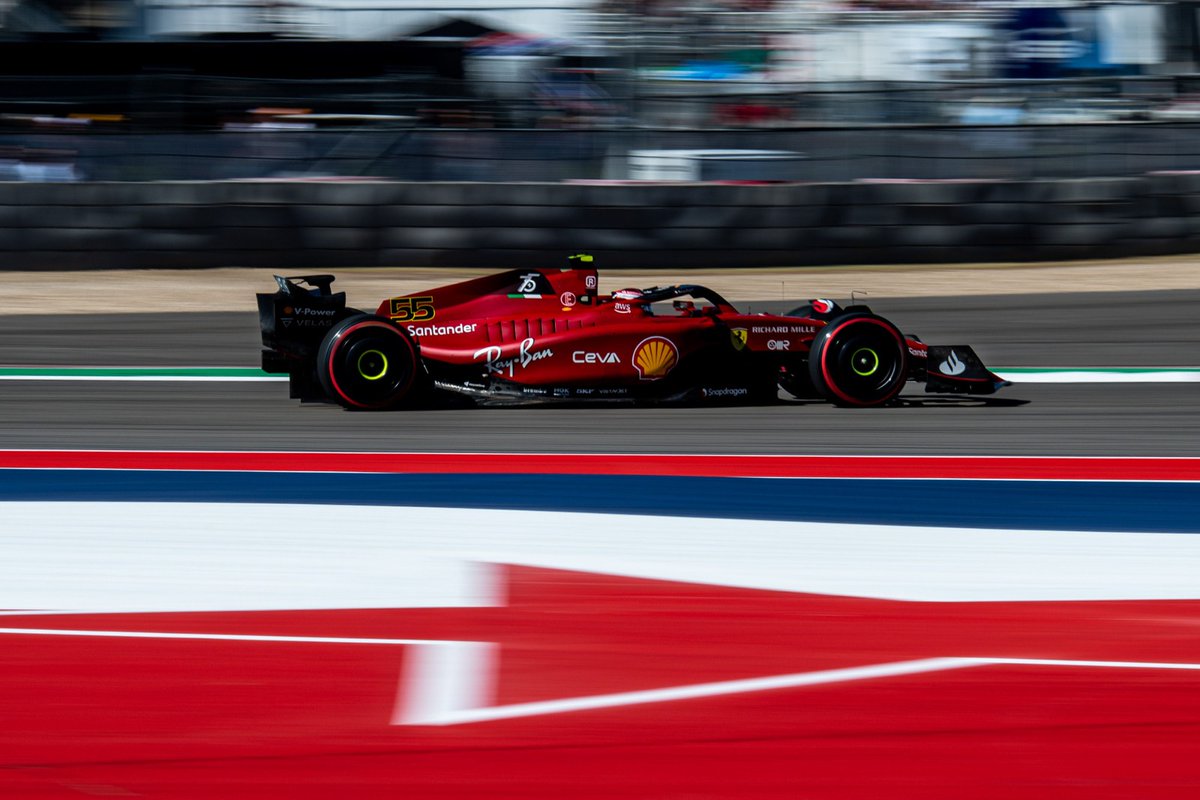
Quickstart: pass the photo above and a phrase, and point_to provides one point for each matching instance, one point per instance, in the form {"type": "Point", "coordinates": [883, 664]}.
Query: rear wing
{"type": "Point", "coordinates": [320, 285]}
{"type": "Point", "coordinates": [295, 318]}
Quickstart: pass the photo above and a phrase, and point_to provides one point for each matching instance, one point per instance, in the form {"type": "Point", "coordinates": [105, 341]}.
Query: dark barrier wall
{"type": "Point", "coordinates": [295, 226]}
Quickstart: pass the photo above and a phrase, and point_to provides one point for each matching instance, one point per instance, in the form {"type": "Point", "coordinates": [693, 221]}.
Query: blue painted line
{"type": "Point", "coordinates": [1019, 505]}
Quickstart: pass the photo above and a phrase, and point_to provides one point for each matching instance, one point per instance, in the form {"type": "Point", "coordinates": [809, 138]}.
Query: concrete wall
{"type": "Point", "coordinates": [306, 225]}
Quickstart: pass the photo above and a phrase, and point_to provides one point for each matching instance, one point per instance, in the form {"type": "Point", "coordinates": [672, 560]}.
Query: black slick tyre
{"type": "Point", "coordinates": [368, 362]}
{"type": "Point", "coordinates": [858, 359]}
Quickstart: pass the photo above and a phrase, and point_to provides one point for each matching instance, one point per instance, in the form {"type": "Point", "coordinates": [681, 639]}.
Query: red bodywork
{"type": "Point", "coordinates": [560, 333]}
{"type": "Point", "coordinates": [528, 335]}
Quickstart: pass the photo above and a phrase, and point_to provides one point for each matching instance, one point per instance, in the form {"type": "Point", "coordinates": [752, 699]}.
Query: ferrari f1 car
{"type": "Point", "coordinates": [548, 335]}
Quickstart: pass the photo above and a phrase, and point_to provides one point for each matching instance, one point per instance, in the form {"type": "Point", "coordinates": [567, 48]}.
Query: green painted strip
{"type": "Point", "coordinates": [133, 372]}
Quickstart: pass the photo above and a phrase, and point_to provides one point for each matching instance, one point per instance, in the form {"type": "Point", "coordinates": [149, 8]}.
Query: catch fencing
{"type": "Point", "coordinates": [828, 154]}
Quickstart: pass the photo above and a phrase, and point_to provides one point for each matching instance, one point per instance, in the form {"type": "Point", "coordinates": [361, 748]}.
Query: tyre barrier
{"type": "Point", "coordinates": [322, 224]}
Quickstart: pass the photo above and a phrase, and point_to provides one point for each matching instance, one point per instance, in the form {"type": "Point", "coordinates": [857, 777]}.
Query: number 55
{"type": "Point", "coordinates": [412, 309]}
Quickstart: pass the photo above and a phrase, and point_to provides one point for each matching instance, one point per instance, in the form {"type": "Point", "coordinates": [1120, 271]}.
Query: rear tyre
{"type": "Point", "coordinates": [368, 362]}
{"type": "Point", "coordinates": [858, 360]}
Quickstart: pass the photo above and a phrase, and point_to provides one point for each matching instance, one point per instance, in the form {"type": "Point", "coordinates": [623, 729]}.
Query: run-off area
{"type": "Point", "coordinates": [188, 649]}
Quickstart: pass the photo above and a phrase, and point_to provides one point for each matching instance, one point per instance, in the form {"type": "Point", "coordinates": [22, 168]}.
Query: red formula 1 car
{"type": "Point", "coordinates": [548, 335]}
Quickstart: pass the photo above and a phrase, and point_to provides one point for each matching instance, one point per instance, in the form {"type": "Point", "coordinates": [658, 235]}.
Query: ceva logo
{"type": "Point", "coordinates": [584, 357]}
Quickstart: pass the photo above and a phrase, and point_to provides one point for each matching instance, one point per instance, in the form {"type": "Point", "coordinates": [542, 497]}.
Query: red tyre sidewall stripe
{"type": "Point", "coordinates": [825, 362]}
{"type": "Point", "coordinates": [334, 350]}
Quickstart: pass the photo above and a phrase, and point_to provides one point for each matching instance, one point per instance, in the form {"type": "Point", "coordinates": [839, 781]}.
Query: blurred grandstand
{"type": "Point", "coordinates": [574, 90]}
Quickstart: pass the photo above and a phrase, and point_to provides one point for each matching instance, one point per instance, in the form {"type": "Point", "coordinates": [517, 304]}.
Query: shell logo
{"type": "Point", "coordinates": [655, 357]}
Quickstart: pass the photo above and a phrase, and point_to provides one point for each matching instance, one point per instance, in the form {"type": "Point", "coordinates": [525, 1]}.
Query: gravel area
{"type": "Point", "coordinates": [233, 289]}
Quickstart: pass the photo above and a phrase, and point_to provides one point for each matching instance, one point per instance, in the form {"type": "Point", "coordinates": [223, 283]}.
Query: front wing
{"type": "Point", "coordinates": [956, 369]}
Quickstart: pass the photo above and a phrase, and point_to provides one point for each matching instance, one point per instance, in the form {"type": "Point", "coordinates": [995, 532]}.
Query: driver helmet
{"type": "Point", "coordinates": [624, 300]}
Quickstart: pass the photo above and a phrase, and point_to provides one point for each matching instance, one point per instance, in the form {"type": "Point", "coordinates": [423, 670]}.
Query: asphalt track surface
{"type": "Point", "coordinates": [1139, 329]}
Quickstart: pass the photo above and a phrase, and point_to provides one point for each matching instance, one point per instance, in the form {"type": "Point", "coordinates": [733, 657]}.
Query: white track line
{"type": "Point", "coordinates": [794, 680]}
{"type": "Point", "coordinates": [217, 637]}
{"type": "Point", "coordinates": [1099, 376]}
{"type": "Point", "coordinates": [691, 692]}
{"type": "Point", "coordinates": [451, 682]}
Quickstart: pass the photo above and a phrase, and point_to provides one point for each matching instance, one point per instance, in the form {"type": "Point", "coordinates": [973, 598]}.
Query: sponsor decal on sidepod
{"type": "Point", "coordinates": [525, 356]}
{"type": "Point", "coordinates": [585, 357]}
{"type": "Point", "coordinates": [784, 329]}
{"type": "Point", "coordinates": [654, 357]}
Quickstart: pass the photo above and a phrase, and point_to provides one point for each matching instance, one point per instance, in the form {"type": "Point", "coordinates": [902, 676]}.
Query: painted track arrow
{"type": "Point", "coordinates": [869, 696]}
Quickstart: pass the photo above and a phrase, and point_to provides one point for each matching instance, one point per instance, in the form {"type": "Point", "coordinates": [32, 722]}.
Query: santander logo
{"type": "Point", "coordinates": [952, 365]}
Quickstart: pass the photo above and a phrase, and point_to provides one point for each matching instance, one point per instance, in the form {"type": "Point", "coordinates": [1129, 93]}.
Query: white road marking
{"type": "Point", "coordinates": [131, 557]}
{"type": "Point", "coordinates": [1102, 376]}
{"type": "Point", "coordinates": [775, 682]}
{"type": "Point", "coordinates": [690, 692]}
{"type": "Point", "coordinates": [453, 682]}
{"type": "Point", "coordinates": [442, 678]}
{"type": "Point", "coordinates": [118, 557]}
{"type": "Point", "coordinates": [221, 637]}
{"type": "Point", "coordinates": [445, 681]}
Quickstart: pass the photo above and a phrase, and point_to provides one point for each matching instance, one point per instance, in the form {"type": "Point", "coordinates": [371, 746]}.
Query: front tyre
{"type": "Point", "coordinates": [858, 359]}
{"type": "Point", "coordinates": [367, 362]}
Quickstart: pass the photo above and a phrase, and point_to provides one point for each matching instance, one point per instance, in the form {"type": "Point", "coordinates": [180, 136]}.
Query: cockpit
{"type": "Point", "coordinates": [687, 300]}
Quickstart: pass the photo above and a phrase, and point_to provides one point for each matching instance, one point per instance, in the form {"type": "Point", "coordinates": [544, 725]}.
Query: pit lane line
{"type": "Point", "coordinates": [252, 374]}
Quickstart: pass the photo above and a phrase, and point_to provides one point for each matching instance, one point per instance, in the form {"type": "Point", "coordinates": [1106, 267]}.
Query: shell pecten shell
{"type": "Point", "coordinates": [655, 357]}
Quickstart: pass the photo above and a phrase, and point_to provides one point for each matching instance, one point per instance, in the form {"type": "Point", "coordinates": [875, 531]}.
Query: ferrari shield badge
{"type": "Point", "coordinates": [738, 336]}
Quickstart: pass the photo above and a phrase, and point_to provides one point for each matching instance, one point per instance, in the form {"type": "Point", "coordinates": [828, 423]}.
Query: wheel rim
{"type": "Point", "coordinates": [372, 365]}
{"type": "Point", "coordinates": [864, 362]}
{"type": "Point", "coordinates": [867, 364]}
